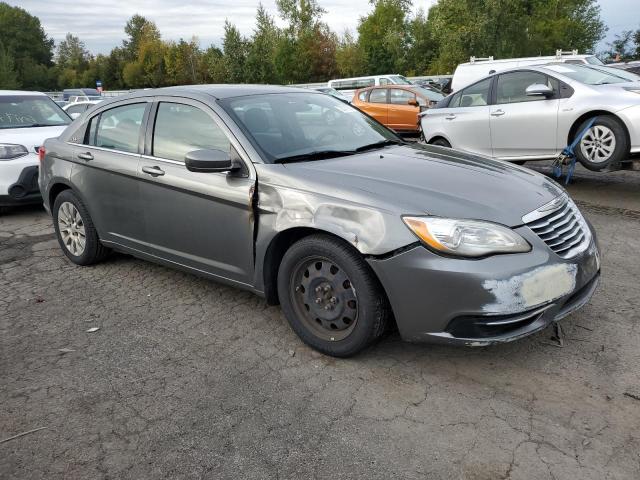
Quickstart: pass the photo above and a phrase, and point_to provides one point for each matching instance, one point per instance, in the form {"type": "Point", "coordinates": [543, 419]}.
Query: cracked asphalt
{"type": "Point", "coordinates": [186, 378]}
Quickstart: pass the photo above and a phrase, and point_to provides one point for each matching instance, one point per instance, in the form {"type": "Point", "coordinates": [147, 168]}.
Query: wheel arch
{"type": "Point", "coordinates": [56, 189]}
{"type": "Point", "coordinates": [279, 245]}
{"type": "Point", "coordinates": [438, 137]}
{"type": "Point", "coordinates": [573, 131]}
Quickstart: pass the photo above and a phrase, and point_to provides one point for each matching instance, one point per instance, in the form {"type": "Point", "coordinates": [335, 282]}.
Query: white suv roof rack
{"type": "Point", "coordinates": [560, 53]}
{"type": "Point", "coordinates": [481, 59]}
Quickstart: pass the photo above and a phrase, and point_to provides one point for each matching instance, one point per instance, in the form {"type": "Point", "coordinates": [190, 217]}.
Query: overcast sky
{"type": "Point", "coordinates": [100, 23]}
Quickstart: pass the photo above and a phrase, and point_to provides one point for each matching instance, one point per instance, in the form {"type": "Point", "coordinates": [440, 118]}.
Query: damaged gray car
{"type": "Point", "coordinates": [307, 201]}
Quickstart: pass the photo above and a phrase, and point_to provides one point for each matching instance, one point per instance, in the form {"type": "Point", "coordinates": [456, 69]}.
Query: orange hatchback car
{"type": "Point", "coordinates": [396, 106]}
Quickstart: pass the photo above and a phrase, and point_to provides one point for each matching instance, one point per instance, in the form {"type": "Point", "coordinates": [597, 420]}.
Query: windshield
{"type": "Point", "coordinates": [618, 72]}
{"type": "Point", "coordinates": [282, 126]}
{"type": "Point", "coordinates": [22, 111]}
{"type": "Point", "coordinates": [586, 75]}
{"type": "Point", "coordinates": [399, 80]}
{"type": "Point", "coordinates": [430, 93]}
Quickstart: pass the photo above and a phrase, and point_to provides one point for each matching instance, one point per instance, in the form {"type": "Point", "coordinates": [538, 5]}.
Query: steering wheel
{"type": "Point", "coordinates": [326, 136]}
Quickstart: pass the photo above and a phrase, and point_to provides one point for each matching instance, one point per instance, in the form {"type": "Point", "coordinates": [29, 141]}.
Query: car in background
{"type": "Point", "coordinates": [478, 68]}
{"type": "Point", "coordinates": [441, 84]}
{"type": "Point", "coordinates": [26, 120]}
{"type": "Point", "coordinates": [397, 106]}
{"type": "Point", "coordinates": [350, 229]}
{"type": "Point", "coordinates": [61, 103]}
{"type": "Point", "coordinates": [333, 92]}
{"type": "Point", "coordinates": [533, 113]}
{"type": "Point", "coordinates": [347, 86]}
{"type": "Point", "coordinates": [633, 66]}
{"type": "Point", "coordinates": [67, 93]}
{"type": "Point", "coordinates": [75, 109]}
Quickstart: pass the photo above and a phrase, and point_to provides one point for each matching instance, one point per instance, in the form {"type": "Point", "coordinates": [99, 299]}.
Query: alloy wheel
{"type": "Point", "coordinates": [71, 228]}
{"type": "Point", "coordinates": [598, 144]}
{"type": "Point", "coordinates": [324, 298]}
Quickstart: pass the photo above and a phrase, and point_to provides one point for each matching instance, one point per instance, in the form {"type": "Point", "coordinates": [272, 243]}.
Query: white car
{"type": "Point", "coordinates": [532, 113]}
{"type": "Point", "coordinates": [26, 120]}
{"type": "Point", "coordinates": [75, 109]}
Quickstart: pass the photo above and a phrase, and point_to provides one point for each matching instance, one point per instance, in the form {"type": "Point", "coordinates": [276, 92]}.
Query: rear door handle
{"type": "Point", "coordinates": [451, 116]}
{"type": "Point", "coordinates": [153, 171]}
{"type": "Point", "coordinates": [85, 156]}
{"type": "Point", "coordinates": [497, 113]}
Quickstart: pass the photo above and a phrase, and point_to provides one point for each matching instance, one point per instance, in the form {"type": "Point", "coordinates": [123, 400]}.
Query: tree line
{"type": "Point", "coordinates": [389, 39]}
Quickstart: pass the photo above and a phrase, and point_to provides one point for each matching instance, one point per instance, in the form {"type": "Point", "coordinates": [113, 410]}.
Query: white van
{"type": "Point", "coordinates": [347, 86]}
{"type": "Point", "coordinates": [478, 68]}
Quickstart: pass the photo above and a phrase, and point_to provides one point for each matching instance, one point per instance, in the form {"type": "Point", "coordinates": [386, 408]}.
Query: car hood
{"type": "Point", "coordinates": [30, 137]}
{"type": "Point", "coordinates": [430, 180]}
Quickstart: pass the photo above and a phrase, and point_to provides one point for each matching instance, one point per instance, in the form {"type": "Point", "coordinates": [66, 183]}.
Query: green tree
{"type": "Point", "coordinates": [349, 57]}
{"type": "Point", "coordinates": [137, 29]}
{"type": "Point", "coordinates": [183, 62]}
{"type": "Point", "coordinates": [384, 36]}
{"type": "Point", "coordinates": [235, 50]}
{"type": "Point", "coordinates": [8, 75]}
{"type": "Point", "coordinates": [26, 42]}
{"type": "Point", "coordinates": [423, 47]}
{"type": "Point", "coordinates": [260, 64]}
{"type": "Point", "coordinates": [621, 48]}
{"type": "Point", "coordinates": [511, 28]}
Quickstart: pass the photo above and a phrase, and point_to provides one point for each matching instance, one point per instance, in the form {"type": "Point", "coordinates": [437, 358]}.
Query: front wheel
{"type": "Point", "coordinates": [330, 296]}
{"type": "Point", "coordinates": [604, 143]}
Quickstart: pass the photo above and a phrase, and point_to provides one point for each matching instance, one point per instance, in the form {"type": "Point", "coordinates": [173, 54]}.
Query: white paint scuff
{"type": "Point", "coordinates": [528, 290]}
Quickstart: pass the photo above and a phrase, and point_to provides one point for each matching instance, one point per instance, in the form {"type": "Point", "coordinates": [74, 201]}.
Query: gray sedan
{"type": "Point", "coordinates": [308, 202]}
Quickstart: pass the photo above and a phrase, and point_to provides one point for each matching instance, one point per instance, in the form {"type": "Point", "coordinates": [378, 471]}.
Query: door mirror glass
{"type": "Point", "coordinates": [209, 161]}
{"type": "Point", "coordinates": [539, 89]}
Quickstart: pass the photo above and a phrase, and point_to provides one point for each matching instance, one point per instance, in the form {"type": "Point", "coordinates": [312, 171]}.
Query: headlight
{"type": "Point", "coordinates": [466, 238]}
{"type": "Point", "coordinates": [9, 151]}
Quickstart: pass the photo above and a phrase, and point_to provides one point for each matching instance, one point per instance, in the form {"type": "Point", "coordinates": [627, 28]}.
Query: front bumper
{"type": "Point", "coordinates": [485, 301]}
{"type": "Point", "coordinates": [19, 181]}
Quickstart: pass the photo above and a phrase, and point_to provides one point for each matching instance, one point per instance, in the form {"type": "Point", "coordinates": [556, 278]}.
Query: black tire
{"type": "Point", "coordinates": [93, 251]}
{"type": "Point", "coordinates": [369, 307]}
{"type": "Point", "coordinates": [620, 152]}
{"type": "Point", "coordinates": [440, 142]}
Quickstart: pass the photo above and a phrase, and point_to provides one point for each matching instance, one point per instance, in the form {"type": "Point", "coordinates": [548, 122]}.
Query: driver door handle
{"type": "Point", "coordinates": [153, 171]}
{"type": "Point", "coordinates": [451, 116]}
{"type": "Point", "coordinates": [85, 156]}
{"type": "Point", "coordinates": [497, 113]}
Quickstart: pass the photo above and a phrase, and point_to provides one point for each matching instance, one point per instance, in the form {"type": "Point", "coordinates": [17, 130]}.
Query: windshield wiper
{"type": "Point", "coordinates": [35, 125]}
{"type": "Point", "coordinates": [317, 155]}
{"type": "Point", "coordinates": [384, 143]}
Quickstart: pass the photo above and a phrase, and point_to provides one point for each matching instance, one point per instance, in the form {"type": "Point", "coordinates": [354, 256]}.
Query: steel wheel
{"type": "Point", "coordinates": [71, 227]}
{"type": "Point", "coordinates": [324, 298]}
{"type": "Point", "coordinates": [598, 144]}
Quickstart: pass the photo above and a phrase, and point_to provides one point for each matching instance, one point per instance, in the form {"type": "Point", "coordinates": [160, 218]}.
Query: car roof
{"type": "Point", "coordinates": [402, 87]}
{"type": "Point", "coordinates": [20, 92]}
{"type": "Point", "coordinates": [219, 91]}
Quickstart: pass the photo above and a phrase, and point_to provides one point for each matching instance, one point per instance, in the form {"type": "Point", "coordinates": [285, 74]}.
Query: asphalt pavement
{"type": "Point", "coordinates": [129, 370]}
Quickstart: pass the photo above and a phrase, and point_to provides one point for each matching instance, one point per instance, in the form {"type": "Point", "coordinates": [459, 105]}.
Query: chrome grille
{"type": "Point", "coordinates": [562, 228]}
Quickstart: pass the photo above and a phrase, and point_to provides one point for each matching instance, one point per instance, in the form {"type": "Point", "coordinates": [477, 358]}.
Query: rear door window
{"type": "Point", "coordinates": [180, 129]}
{"type": "Point", "coordinates": [476, 95]}
{"type": "Point", "coordinates": [378, 95]}
{"type": "Point", "coordinates": [118, 128]}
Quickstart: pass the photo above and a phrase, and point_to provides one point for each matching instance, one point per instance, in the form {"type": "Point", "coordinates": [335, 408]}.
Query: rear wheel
{"type": "Point", "coordinates": [330, 296]}
{"type": "Point", "coordinates": [76, 234]}
{"type": "Point", "coordinates": [441, 142]}
{"type": "Point", "coordinates": [604, 143]}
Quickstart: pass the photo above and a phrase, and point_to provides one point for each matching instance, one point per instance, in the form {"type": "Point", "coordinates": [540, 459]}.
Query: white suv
{"type": "Point", "coordinates": [26, 120]}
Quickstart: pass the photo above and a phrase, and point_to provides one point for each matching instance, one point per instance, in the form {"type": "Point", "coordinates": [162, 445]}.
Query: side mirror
{"type": "Point", "coordinates": [413, 102]}
{"type": "Point", "coordinates": [74, 115]}
{"type": "Point", "coordinates": [538, 89]}
{"type": "Point", "coordinates": [209, 161]}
